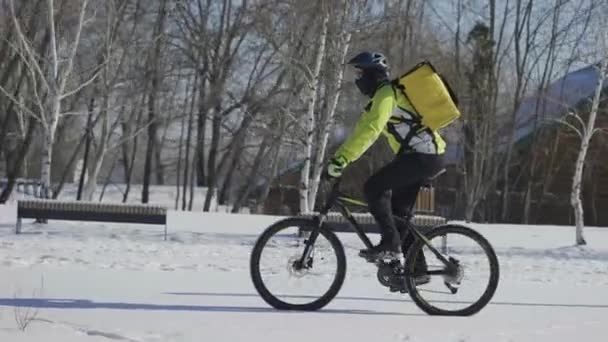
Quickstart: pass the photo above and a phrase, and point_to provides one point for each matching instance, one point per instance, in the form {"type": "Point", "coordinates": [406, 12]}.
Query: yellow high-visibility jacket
{"type": "Point", "coordinates": [390, 113]}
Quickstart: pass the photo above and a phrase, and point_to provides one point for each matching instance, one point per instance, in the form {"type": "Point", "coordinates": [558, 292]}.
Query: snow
{"type": "Point", "coordinates": [118, 282]}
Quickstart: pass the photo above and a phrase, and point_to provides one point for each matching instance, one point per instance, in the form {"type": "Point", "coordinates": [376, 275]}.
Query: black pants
{"type": "Point", "coordinates": [393, 190]}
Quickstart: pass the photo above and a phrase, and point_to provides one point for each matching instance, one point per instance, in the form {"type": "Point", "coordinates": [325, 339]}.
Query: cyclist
{"type": "Point", "coordinates": [418, 154]}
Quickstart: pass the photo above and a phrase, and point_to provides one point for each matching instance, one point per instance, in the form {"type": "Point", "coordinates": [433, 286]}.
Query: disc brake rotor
{"type": "Point", "coordinates": [294, 270]}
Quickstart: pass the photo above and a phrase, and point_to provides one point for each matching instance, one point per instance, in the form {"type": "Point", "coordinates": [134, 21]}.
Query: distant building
{"type": "Point", "coordinates": [556, 148]}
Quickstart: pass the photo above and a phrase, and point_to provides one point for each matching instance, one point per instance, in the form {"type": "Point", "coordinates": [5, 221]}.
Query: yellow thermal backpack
{"type": "Point", "coordinates": [430, 95]}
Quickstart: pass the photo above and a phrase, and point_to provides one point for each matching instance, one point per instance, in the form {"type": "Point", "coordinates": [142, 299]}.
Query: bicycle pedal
{"type": "Point", "coordinates": [400, 289]}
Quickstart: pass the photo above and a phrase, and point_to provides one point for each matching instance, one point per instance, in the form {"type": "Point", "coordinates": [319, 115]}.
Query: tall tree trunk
{"type": "Point", "coordinates": [87, 148]}
{"type": "Point", "coordinates": [23, 151]}
{"type": "Point", "coordinates": [552, 169]}
{"type": "Point", "coordinates": [327, 125]}
{"type": "Point", "coordinates": [587, 134]}
{"type": "Point", "coordinates": [274, 166]}
{"type": "Point", "coordinates": [178, 173]}
{"type": "Point", "coordinates": [187, 178]}
{"type": "Point", "coordinates": [192, 183]}
{"type": "Point", "coordinates": [154, 71]}
{"type": "Point", "coordinates": [230, 159]}
{"type": "Point", "coordinates": [48, 142]}
{"type": "Point", "coordinates": [129, 158]}
{"type": "Point", "coordinates": [252, 177]}
{"type": "Point", "coordinates": [201, 127]}
{"type": "Point", "coordinates": [180, 161]}
{"type": "Point", "coordinates": [108, 178]}
{"type": "Point", "coordinates": [213, 149]}
{"type": "Point", "coordinates": [158, 160]}
{"type": "Point", "coordinates": [310, 117]}
{"type": "Point", "coordinates": [227, 186]}
{"type": "Point", "coordinates": [152, 128]}
{"type": "Point", "coordinates": [66, 172]}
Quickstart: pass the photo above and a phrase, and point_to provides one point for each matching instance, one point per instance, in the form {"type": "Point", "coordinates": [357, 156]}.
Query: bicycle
{"type": "Point", "coordinates": [321, 244]}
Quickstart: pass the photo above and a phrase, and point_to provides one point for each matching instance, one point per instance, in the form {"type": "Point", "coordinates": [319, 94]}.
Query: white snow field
{"type": "Point", "coordinates": [118, 282]}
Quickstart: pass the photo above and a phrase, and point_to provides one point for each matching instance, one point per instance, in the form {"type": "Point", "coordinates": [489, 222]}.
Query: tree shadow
{"type": "Point", "coordinates": [379, 299]}
{"type": "Point", "coordinates": [51, 303]}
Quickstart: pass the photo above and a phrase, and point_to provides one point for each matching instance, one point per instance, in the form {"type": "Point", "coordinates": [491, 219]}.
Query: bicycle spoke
{"type": "Point", "coordinates": [283, 272]}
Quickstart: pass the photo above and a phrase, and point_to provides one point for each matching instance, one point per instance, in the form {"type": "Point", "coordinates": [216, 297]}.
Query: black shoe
{"type": "Point", "coordinates": [381, 251]}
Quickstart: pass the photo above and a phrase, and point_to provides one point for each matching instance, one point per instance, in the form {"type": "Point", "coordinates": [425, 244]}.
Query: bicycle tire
{"type": "Point", "coordinates": [492, 283]}
{"type": "Point", "coordinates": [270, 298]}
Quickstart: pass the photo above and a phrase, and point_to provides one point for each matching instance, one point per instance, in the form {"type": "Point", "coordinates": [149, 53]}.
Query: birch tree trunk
{"type": "Point", "coordinates": [587, 134]}
{"type": "Point", "coordinates": [53, 77]}
{"type": "Point", "coordinates": [328, 120]}
{"type": "Point", "coordinates": [50, 127]}
{"type": "Point", "coordinates": [310, 114]}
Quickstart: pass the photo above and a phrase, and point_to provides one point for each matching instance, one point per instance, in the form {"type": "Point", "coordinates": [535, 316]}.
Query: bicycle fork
{"type": "Point", "coordinates": [309, 244]}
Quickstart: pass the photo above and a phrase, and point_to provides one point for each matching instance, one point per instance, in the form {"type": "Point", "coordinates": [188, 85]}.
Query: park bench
{"type": "Point", "coordinates": [90, 211]}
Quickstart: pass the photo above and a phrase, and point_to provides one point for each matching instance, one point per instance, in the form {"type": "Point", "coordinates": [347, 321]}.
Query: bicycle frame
{"type": "Point", "coordinates": [337, 199]}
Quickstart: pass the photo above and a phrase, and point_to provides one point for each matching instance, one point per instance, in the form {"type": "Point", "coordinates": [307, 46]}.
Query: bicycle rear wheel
{"type": "Point", "coordinates": [461, 289]}
{"type": "Point", "coordinates": [280, 276]}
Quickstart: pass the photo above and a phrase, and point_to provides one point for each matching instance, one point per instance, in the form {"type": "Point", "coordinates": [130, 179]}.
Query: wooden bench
{"type": "Point", "coordinates": [90, 211]}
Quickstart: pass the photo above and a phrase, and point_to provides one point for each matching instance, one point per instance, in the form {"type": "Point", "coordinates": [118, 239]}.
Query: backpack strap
{"type": "Point", "coordinates": [415, 128]}
{"type": "Point", "coordinates": [398, 86]}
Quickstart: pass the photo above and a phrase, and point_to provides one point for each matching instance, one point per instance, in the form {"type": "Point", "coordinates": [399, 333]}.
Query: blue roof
{"type": "Point", "coordinates": [560, 97]}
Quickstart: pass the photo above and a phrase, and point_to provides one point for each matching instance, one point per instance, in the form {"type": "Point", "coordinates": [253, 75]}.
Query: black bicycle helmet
{"type": "Point", "coordinates": [369, 60]}
{"type": "Point", "coordinates": [374, 71]}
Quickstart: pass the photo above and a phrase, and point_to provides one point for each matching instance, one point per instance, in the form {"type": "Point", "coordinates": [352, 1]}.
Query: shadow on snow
{"type": "Point", "coordinates": [48, 303]}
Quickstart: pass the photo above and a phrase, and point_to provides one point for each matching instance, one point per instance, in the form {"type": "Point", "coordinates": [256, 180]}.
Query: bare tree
{"type": "Point", "coordinates": [479, 126]}
{"type": "Point", "coordinates": [586, 132]}
{"type": "Point", "coordinates": [313, 84]}
{"type": "Point", "coordinates": [154, 77]}
{"type": "Point", "coordinates": [339, 44]}
{"type": "Point", "coordinates": [523, 16]}
{"type": "Point", "coordinates": [52, 75]}
{"type": "Point", "coordinates": [17, 132]}
{"type": "Point", "coordinates": [110, 65]}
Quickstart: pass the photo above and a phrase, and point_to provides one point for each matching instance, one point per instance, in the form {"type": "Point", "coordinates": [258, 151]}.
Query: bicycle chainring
{"type": "Point", "coordinates": [388, 272]}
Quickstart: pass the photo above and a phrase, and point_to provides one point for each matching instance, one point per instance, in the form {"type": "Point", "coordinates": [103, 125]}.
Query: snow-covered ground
{"type": "Point", "coordinates": [117, 282]}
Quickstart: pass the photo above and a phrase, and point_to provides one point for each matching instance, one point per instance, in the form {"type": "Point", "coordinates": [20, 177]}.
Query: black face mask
{"type": "Point", "coordinates": [369, 81]}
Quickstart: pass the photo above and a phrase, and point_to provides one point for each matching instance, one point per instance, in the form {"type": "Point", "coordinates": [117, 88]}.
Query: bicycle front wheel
{"type": "Point", "coordinates": [287, 277]}
{"type": "Point", "coordinates": [461, 275]}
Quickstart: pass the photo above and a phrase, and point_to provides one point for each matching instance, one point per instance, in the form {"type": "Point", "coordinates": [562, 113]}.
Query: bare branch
{"type": "Point", "coordinates": [571, 126]}
{"type": "Point", "coordinates": [120, 142]}
{"type": "Point", "coordinates": [580, 120]}
{"type": "Point", "coordinates": [15, 101]}
{"type": "Point", "coordinates": [598, 129]}
{"type": "Point", "coordinates": [80, 87]}
{"type": "Point", "coordinates": [30, 59]}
